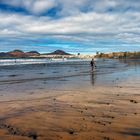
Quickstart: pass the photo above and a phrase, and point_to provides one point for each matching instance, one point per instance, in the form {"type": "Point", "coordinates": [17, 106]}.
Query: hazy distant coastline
{"type": "Point", "coordinates": [119, 55]}
{"type": "Point", "coordinates": [63, 54]}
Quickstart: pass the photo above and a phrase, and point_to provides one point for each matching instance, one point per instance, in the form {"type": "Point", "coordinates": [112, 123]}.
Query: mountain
{"type": "Point", "coordinates": [17, 53]}
{"type": "Point", "coordinates": [58, 52]}
{"type": "Point", "coordinates": [4, 55]}
{"type": "Point", "coordinates": [35, 52]}
{"type": "Point", "coordinates": [32, 53]}
{"type": "Point", "coordinates": [21, 54]}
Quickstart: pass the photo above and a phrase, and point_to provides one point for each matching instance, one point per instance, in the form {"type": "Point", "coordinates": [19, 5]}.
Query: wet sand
{"type": "Point", "coordinates": [108, 113]}
{"type": "Point", "coordinates": [99, 113]}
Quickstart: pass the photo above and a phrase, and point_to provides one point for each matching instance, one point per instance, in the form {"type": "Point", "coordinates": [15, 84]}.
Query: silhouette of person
{"type": "Point", "coordinates": [92, 63]}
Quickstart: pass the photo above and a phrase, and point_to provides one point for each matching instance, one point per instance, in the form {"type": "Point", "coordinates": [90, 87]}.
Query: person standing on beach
{"type": "Point", "coordinates": [92, 63]}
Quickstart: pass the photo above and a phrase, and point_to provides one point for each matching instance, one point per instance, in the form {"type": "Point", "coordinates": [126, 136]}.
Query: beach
{"type": "Point", "coordinates": [68, 101]}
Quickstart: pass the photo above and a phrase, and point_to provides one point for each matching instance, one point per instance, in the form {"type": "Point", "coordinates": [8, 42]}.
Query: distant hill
{"type": "Point", "coordinates": [58, 52]}
{"type": "Point", "coordinates": [4, 55]}
{"type": "Point", "coordinates": [35, 52]}
{"type": "Point", "coordinates": [17, 53]}
{"type": "Point", "coordinates": [32, 53]}
{"type": "Point", "coordinates": [22, 54]}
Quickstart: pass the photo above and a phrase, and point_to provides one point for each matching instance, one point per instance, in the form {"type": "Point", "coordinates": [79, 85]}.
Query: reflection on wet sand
{"type": "Point", "coordinates": [107, 112]}
{"type": "Point", "coordinates": [93, 77]}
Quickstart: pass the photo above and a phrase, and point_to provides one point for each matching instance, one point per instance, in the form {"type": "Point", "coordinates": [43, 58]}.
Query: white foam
{"type": "Point", "coordinates": [6, 62]}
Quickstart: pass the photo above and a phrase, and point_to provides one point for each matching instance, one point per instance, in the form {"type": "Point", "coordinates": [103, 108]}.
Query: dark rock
{"type": "Point", "coordinates": [32, 135]}
{"type": "Point", "coordinates": [71, 131]}
{"type": "Point", "coordinates": [133, 101]}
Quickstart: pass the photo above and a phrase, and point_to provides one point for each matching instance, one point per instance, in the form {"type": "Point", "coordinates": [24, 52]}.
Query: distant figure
{"type": "Point", "coordinates": [92, 63]}
{"type": "Point", "coordinates": [15, 61]}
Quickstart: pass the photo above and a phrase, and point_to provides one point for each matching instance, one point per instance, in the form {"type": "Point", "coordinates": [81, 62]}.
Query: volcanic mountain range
{"type": "Point", "coordinates": [22, 54]}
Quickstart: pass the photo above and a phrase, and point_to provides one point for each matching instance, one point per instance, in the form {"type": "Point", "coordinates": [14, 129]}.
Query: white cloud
{"type": "Point", "coordinates": [68, 7]}
{"type": "Point", "coordinates": [36, 7]}
{"type": "Point", "coordinates": [74, 25]}
{"type": "Point", "coordinates": [41, 6]}
{"type": "Point", "coordinates": [93, 24]}
{"type": "Point", "coordinates": [96, 25]}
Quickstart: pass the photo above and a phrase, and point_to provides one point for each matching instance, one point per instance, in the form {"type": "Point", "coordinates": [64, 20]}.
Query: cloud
{"type": "Point", "coordinates": [81, 22]}
{"type": "Point", "coordinates": [89, 24]}
{"type": "Point", "coordinates": [35, 7]}
{"type": "Point", "coordinates": [38, 7]}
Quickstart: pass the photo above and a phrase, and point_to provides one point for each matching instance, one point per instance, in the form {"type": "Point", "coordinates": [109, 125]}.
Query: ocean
{"type": "Point", "coordinates": [28, 76]}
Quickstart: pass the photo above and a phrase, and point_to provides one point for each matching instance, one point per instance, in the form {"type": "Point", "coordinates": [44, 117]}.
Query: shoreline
{"type": "Point", "coordinates": [73, 115]}
{"type": "Point", "coordinates": [88, 110]}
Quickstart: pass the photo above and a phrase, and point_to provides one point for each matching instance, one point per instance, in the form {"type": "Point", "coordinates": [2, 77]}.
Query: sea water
{"type": "Point", "coordinates": [27, 76]}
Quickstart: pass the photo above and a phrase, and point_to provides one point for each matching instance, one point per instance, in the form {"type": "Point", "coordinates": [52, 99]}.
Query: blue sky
{"type": "Point", "coordinates": [84, 26]}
